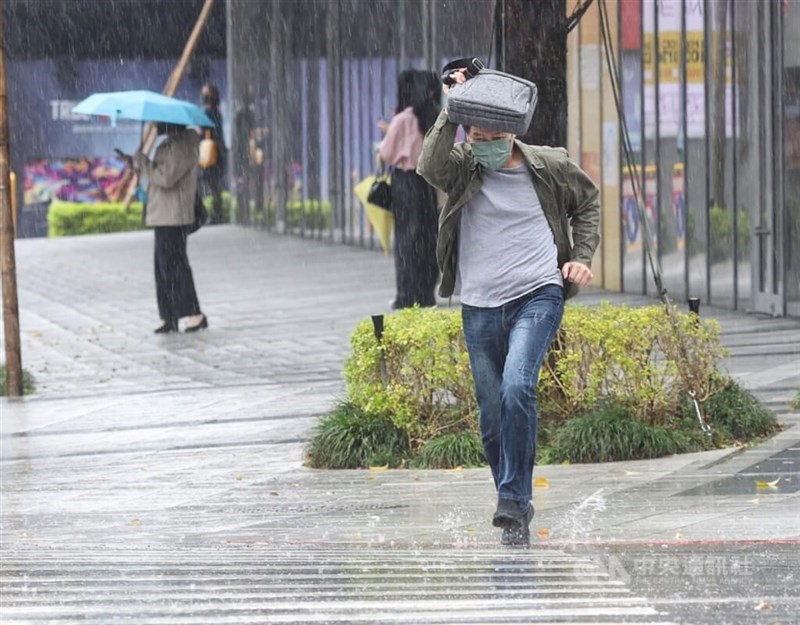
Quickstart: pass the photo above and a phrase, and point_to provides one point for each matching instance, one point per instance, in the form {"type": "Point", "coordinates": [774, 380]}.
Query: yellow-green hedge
{"type": "Point", "coordinates": [632, 357]}
{"type": "Point", "coordinates": [428, 387]}
{"type": "Point", "coordinates": [641, 358]}
{"type": "Point", "coordinates": [73, 218]}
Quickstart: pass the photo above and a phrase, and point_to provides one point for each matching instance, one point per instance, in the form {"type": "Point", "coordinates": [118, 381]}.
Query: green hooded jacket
{"type": "Point", "coordinates": [568, 196]}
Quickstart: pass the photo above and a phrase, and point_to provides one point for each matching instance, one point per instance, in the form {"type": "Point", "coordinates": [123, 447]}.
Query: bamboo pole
{"type": "Point", "coordinates": [169, 89]}
{"type": "Point", "coordinates": [7, 256]}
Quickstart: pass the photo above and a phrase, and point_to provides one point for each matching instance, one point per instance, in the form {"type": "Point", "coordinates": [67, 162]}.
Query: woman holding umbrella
{"type": "Point", "coordinates": [171, 188]}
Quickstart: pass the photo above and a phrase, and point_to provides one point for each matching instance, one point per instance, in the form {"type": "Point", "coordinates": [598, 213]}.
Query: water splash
{"type": "Point", "coordinates": [580, 520]}
{"type": "Point", "coordinates": [455, 523]}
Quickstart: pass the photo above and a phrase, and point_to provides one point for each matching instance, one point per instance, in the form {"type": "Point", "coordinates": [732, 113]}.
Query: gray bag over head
{"type": "Point", "coordinates": [491, 99]}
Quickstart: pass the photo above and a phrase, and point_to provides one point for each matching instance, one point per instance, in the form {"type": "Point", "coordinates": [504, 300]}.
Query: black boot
{"type": "Point", "coordinates": [519, 535]}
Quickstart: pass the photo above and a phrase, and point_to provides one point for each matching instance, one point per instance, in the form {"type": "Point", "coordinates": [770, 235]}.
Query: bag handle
{"type": "Point", "coordinates": [473, 65]}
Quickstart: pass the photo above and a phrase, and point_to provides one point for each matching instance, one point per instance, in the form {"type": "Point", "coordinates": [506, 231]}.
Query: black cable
{"type": "Point", "coordinates": [574, 19]}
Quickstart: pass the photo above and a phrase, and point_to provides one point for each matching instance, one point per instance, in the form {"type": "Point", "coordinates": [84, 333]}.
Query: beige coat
{"type": "Point", "coordinates": [171, 180]}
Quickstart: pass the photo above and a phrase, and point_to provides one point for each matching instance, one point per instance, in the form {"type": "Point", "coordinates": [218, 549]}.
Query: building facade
{"type": "Point", "coordinates": [710, 91]}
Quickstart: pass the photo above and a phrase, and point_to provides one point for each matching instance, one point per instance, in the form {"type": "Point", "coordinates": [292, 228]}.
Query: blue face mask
{"type": "Point", "coordinates": [492, 154]}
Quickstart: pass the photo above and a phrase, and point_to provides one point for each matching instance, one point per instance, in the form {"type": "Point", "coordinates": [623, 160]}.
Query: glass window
{"type": "Point", "coordinates": [747, 180]}
{"type": "Point", "coordinates": [791, 152]}
{"type": "Point", "coordinates": [670, 145]}
{"type": "Point", "coordinates": [650, 144]}
{"type": "Point", "coordinates": [723, 218]}
{"type": "Point", "coordinates": [695, 150]}
{"type": "Point", "coordinates": [633, 98]}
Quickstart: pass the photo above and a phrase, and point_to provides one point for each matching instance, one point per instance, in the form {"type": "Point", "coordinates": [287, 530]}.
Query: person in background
{"type": "Point", "coordinates": [212, 179]}
{"type": "Point", "coordinates": [413, 200]}
{"type": "Point", "coordinates": [504, 243]}
{"type": "Point", "coordinates": [171, 188]}
{"type": "Point", "coordinates": [249, 141]}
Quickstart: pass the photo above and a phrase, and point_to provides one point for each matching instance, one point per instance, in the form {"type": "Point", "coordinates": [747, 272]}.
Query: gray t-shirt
{"type": "Point", "coordinates": [506, 247]}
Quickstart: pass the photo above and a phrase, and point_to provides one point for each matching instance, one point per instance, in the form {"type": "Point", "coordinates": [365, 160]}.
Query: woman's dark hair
{"type": "Point", "coordinates": [421, 91]}
{"type": "Point", "coordinates": [213, 94]}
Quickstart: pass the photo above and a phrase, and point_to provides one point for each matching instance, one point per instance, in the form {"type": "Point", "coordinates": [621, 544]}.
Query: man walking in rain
{"type": "Point", "coordinates": [504, 244]}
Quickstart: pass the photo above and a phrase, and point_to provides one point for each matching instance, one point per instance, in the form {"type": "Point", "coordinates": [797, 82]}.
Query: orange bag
{"type": "Point", "coordinates": [208, 151]}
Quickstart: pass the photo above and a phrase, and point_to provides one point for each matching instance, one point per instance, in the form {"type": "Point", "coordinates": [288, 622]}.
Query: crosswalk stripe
{"type": "Point", "coordinates": [318, 585]}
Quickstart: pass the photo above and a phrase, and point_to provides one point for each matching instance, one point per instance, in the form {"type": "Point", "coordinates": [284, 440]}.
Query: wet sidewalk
{"type": "Point", "coordinates": [159, 479]}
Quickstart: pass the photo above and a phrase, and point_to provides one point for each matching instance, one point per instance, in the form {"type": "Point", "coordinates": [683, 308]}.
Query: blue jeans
{"type": "Point", "coordinates": [506, 348]}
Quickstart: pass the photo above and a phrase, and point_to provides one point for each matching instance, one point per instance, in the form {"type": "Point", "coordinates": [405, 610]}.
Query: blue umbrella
{"type": "Point", "coordinates": [143, 106]}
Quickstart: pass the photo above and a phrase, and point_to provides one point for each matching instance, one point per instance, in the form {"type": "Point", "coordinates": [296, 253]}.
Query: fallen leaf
{"type": "Point", "coordinates": [544, 533]}
{"type": "Point", "coordinates": [239, 478]}
{"type": "Point", "coordinates": [455, 469]}
{"type": "Point", "coordinates": [471, 530]}
{"type": "Point", "coordinates": [764, 606]}
{"type": "Point", "coordinates": [29, 469]}
{"type": "Point", "coordinates": [370, 478]}
{"type": "Point", "coordinates": [772, 484]}
{"type": "Point", "coordinates": [632, 473]}
{"type": "Point", "coordinates": [678, 535]}
{"type": "Point", "coordinates": [136, 522]}
{"type": "Point", "coordinates": [273, 493]}
{"type": "Point", "coordinates": [566, 463]}
{"type": "Point", "coordinates": [541, 482]}
{"type": "Point", "coordinates": [416, 478]}
{"type": "Point", "coordinates": [379, 469]}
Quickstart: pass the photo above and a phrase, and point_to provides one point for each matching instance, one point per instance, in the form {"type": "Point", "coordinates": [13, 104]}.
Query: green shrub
{"type": "Point", "coordinates": [609, 434]}
{"type": "Point", "coordinates": [28, 382]}
{"type": "Point", "coordinates": [667, 235]}
{"type": "Point", "coordinates": [76, 218]}
{"type": "Point", "coordinates": [317, 214]}
{"type": "Point", "coordinates": [721, 227]}
{"type": "Point", "coordinates": [428, 388]}
{"type": "Point", "coordinates": [795, 403]}
{"type": "Point", "coordinates": [689, 436]}
{"type": "Point", "coordinates": [739, 413]}
{"type": "Point", "coordinates": [459, 449]}
{"type": "Point", "coordinates": [614, 386]}
{"type": "Point", "coordinates": [348, 438]}
{"type": "Point", "coordinates": [629, 356]}
{"type": "Point", "coordinates": [227, 205]}
{"type": "Point", "coordinates": [545, 454]}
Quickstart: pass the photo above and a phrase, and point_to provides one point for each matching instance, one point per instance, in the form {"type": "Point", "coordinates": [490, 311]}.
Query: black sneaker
{"type": "Point", "coordinates": [507, 514]}
{"type": "Point", "coordinates": [519, 535]}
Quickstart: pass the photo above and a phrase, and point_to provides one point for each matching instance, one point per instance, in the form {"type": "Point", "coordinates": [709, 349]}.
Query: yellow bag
{"type": "Point", "coordinates": [208, 151]}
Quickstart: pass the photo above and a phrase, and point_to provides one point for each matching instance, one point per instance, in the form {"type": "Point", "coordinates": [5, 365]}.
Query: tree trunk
{"type": "Point", "coordinates": [8, 261]}
{"type": "Point", "coordinates": [532, 44]}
